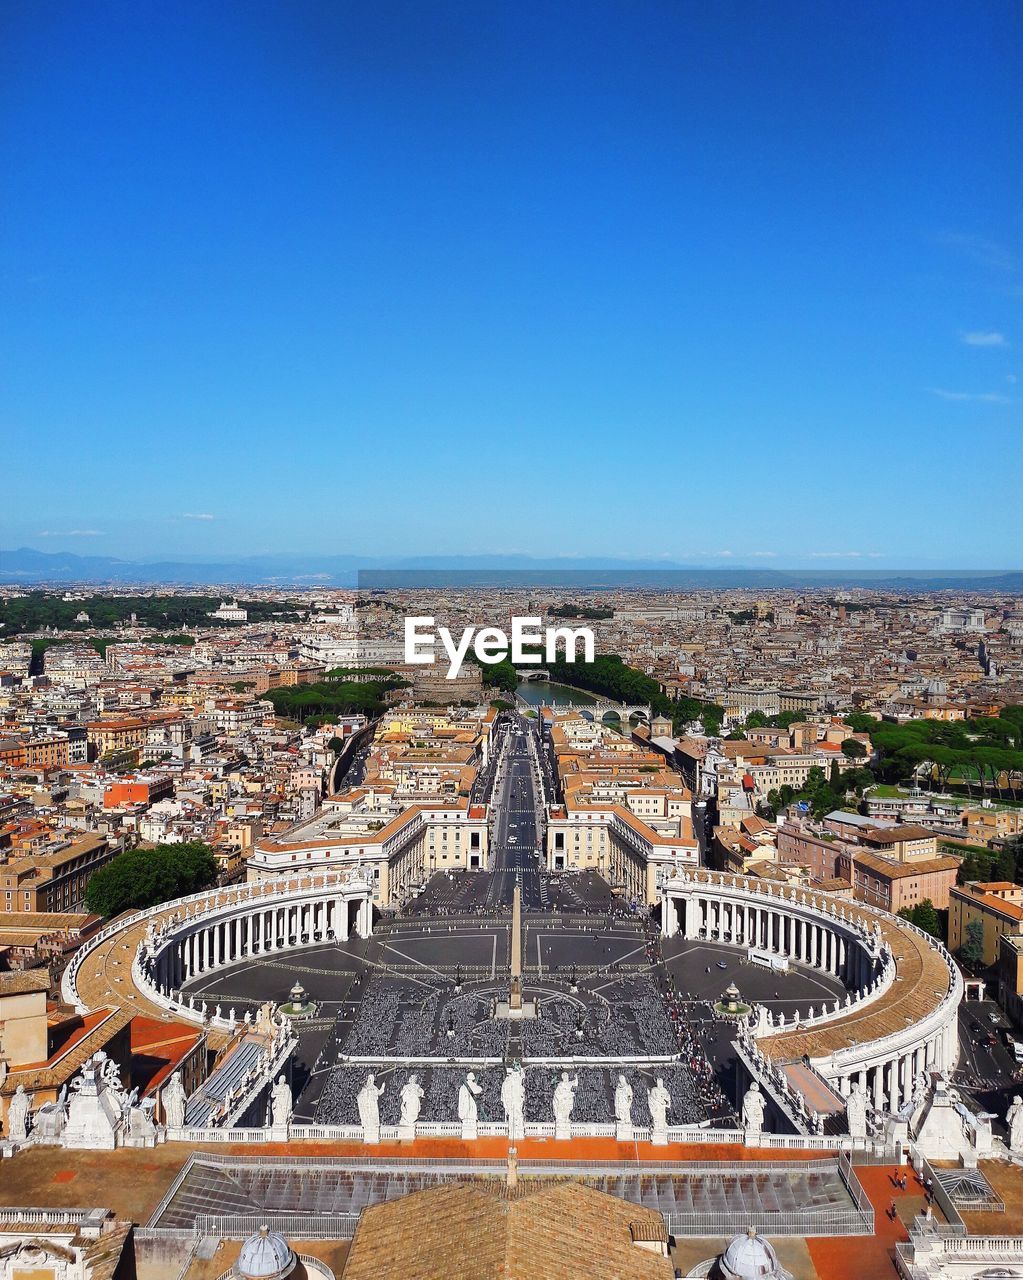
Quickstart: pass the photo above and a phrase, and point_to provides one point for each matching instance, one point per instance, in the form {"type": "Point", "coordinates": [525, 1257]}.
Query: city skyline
{"type": "Point", "coordinates": [513, 280]}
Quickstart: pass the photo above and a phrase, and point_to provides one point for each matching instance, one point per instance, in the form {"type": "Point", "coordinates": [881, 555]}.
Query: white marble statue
{"type": "Point", "coordinates": [411, 1104]}
{"type": "Point", "coordinates": [174, 1102]}
{"type": "Point", "coordinates": [281, 1104]}
{"type": "Point", "coordinates": [513, 1099]}
{"type": "Point", "coordinates": [563, 1102]}
{"type": "Point", "coordinates": [141, 1128]}
{"type": "Point", "coordinates": [1014, 1123]}
{"type": "Point", "coordinates": [658, 1099]}
{"type": "Point", "coordinates": [368, 1102]}
{"type": "Point", "coordinates": [623, 1111]}
{"type": "Point", "coordinates": [17, 1115]}
{"type": "Point", "coordinates": [856, 1111]}
{"type": "Point", "coordinates": [467, 1113]}
{"type": "Point", "coordinates": [623, 1101]}
{"type": "Point", "coordinates": [49, 1120]}
{"type": "Point", "coordinates": [753, 1107]}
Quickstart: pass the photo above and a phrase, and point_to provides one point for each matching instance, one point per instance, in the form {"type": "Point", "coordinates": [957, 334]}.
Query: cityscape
{"type": "Point", "coordinates": [511, 643]}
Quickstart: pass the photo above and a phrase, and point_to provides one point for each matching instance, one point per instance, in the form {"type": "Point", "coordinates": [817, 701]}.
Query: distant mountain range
{"type": "Point", "coordinates": [27, 567]}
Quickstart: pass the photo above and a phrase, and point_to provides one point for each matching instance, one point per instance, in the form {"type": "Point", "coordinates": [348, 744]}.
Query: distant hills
{"type": "Point", "coordinates": [27, 567]}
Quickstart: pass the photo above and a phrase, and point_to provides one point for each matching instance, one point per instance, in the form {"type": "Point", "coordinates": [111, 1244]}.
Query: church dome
{"type": "Point", "coordinates": [265, 1256]}
{"type": "Point", "coordinates": [750, 1257]}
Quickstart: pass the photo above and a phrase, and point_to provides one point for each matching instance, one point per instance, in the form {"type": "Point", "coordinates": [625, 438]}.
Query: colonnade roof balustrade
{"type": "Point", "coordinates": [926, 974]}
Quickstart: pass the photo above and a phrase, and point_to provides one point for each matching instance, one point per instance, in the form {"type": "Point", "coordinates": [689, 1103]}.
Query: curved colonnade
{"type": "Point", "coordinates": [900, 1017]}
{"type": "Point", "coordinates": [200, 934]}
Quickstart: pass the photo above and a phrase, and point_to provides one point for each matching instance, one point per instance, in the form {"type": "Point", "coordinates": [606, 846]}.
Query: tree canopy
{"type": "Point", "coordinates": [925, 916]}
{"type": "Point", "coordinates": [140, 878]}
{"type": "Point", "coordinates": [971, 951]}
{"type": "Point", "coordinates": [39, 609]}
{"type": "Point", "coordinates": [985, 753]}
{"type": "Point", "coordinates": [329, 698]}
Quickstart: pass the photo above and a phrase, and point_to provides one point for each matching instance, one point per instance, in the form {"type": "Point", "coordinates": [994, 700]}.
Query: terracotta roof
{"type": "Point", "coordinates": [17, 984]}
{"type": "Point", "coordinates": [893, 870]}
{"type": "Point", "coordinates": [894, 835]}
{"type": "Point", "coordinates": [979, 893]}
{"type": "Point", "coordinates": [922, 984]}
{"type": "Point", "coordinates": [97, 1032]}
{"type": "Point", "coordinates": [542, 1230]}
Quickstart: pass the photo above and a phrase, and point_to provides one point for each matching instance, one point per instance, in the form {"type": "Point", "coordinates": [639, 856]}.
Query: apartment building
{"type": "Point", "coordinates": [410, 817]}
{"type": "Point", "coordinates": [115, 735]}
{"type": "Point", "coordinates": [400, 846]}
{"type": "Point", "coordinates": [892, 885]}
{"type": "Point", "coordinates": [887, 865]}
{"type": "Point", "coordinates": [53, 878]}
{"type": "Point", "coordinates": [996, 905]}
{"type": "Point", "coordinates": [625, 814]}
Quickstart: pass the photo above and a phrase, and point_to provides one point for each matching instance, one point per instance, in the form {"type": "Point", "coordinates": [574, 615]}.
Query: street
{"type": "Point", "coordinates": [514, 856]}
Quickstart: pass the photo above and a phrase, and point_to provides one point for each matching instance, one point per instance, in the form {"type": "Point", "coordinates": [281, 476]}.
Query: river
{"type": "Point", "coordinates": [536, 692]}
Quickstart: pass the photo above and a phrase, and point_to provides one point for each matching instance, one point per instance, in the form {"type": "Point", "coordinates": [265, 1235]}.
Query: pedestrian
{"type": "Point", "coordinates": [892, 1212]}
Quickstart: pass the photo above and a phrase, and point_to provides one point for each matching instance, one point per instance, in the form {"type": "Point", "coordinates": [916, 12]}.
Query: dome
{"type": "Point", "coordinates": [751, 1257]}
{"type": "Point", "coordinates": [265, 1256]}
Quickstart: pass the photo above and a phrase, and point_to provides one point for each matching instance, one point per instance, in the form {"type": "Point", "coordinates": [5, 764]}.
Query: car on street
{"type": "Point", "coordinates": [722, 965]}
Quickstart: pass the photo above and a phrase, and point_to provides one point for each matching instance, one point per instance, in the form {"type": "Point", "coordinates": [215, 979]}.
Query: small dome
{"type": "Point", "coordinates": [751, 1257]}
{"type": "Point", "coordinates": [265, 1256]}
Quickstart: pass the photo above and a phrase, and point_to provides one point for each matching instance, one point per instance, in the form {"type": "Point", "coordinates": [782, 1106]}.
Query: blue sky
{"type": "Point", "coordinates": [726, 283]}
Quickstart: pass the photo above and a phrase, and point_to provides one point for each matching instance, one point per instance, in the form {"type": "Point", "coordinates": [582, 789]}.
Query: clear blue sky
{"type": "Point", "coordinates": [677, 279]}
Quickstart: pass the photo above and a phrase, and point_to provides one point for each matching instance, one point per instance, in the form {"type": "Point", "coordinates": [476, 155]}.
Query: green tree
{"type": "Point", "coordinates": [972, 949]}
{"type": "Point", "coordinates": [336, 745]}
{"type": "Point", "coordinates": [853, 749]}
{"type": "Point", "coordinates": [860, 722]}
{"type": "Point", "coordinates": [500, 675]}
{"type": "Point", "coordinates": [926, 917]}
{"type": "Point", "coordinates": [1005, 867]}
{"type": "Point", "coordinates": [756, 720]}
{"type": "Point", "coordinates": [140, 878]}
